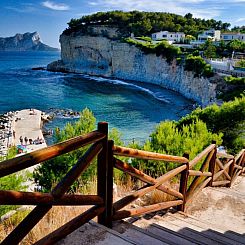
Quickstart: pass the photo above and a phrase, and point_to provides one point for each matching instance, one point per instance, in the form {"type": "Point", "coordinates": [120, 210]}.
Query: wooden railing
{"type": "Point", "coordinates": [214, 166]}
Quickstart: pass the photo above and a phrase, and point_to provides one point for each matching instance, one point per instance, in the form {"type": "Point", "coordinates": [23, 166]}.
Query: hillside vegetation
{"type": "Point", "coordinates": [191, 134]}
{"type": "Point", "coordinates": [145, 23]}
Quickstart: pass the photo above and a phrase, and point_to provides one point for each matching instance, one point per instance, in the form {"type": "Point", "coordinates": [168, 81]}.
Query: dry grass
{"type": "Point", "coordinates": [157, 196]}
{"type": "Point", "coordinates": [58, 216]}
{"type": "Point", "coordinates": [55, 218]}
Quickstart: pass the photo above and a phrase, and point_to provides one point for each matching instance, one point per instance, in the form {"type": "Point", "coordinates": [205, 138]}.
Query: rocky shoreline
{"type": "Point", "coordinates": [22, 129]}
{"type": "Point", "coordinates": [98, 55]}
{"type": "Point", "coordinates": [28, 123]}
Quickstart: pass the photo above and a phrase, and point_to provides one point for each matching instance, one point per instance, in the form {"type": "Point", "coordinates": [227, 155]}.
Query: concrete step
{"type": "Point", "coordinates": [190, 232]}
{"type": "Point", "coordinates": [93, 233]}
{"type": "Point", "coordinates": [137, 234]}
{"type": "Point", "coordinates": [208, 228]}
{"type": "Point", "coordinates": [219, 209]}
{"type": "Point", "coordinates": [231, 192]}
{"type": "Point", "coordinates": [167, 235]}
{"type": "Point", "coordinates": [207, 235]}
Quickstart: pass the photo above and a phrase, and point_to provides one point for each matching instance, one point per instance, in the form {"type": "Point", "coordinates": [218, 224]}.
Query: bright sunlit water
{"type": "Point", "coordinates": [133, 107]}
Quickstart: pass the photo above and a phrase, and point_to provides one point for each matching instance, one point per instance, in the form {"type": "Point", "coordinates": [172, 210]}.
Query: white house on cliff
{"type": "Point", "coordinates": [229, 36]}
{"type": "Point", "coordinates": [212, 34]}
{"type": "Point", "coordinates": [169, 36]}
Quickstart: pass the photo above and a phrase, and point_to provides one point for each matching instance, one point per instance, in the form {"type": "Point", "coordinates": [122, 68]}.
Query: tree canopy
{"type": "Point", "coordinates": [145, 23]}
{"type": "Point", "coordinates": [227, 119]}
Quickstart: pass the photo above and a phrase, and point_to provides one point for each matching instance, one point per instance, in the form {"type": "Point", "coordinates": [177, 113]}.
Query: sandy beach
{"type": "Point", "coordinates": [28, 124]}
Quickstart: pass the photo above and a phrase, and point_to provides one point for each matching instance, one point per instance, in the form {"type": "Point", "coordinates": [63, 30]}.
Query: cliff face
{"type": "Point", "coordinates": [104, 56]}
{"type": "Point", "coordinates": [24, 42]}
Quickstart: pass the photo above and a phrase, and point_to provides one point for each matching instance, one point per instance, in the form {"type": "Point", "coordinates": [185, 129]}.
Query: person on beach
{"type": "Point", "coordinates": [30, 141]}
{"type": "Point", "coordinates": [21, 140]}
{"type": "Point", "coordinates": [14, 134]}
{"type": "Point", "coordinates": [26, 140]}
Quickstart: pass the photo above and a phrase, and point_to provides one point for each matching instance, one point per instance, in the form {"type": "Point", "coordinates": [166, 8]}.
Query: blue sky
{"type": "Point", "coordinates": [50, 18]}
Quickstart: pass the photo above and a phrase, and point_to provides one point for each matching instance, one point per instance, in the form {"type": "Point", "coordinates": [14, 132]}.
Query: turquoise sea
{"type": "Point", "coordinates": [133, 107]}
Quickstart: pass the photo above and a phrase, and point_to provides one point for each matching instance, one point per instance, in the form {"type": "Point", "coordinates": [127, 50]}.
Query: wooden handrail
{"type": "Point", "coordinates": [238, 167]}
{"type": "Point", "coordinates": [144, 177]}
{"type": "Point", "coordinates": [221, 182]}
{"type": "Point", "coordinates": [198, 179]}
{"type": "Point", "coordinates": [36, 198]}
{"type": "Point", "coordinates": [144, 210]}
{"type": "Point", "coordinates": [198, 189]}
{"type": "Point", "coordinates": [105, 209]}
{"type": "Point", "coordinates": [159, 181]}
{"type": "Point", "coordinates": [224, 155]}
{"type": "Point", "coordinates": [239, 154]}
{"type": "Point", "coordinates": [37, 214]}
{"type": "Point", "coordinates": [82, 163]}
{"type": "Point", "coordinates": [199, 173]}
{"type": "Point", "coordinates": [201, 155]}
{"type": "Point", "coordinates": [19, 163]}
{"type": "Point", "coordinates": [129, 152]}
{"type": "Point", "coordinates": [223, 169]}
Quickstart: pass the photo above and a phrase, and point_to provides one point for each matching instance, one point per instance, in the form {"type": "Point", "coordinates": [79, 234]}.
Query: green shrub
{"type": "Point", "coordinates": [147, 39]}
{"type": "Point", "coordinates": [235, 80]}
{"type": "Point", "coordinates": [52, 171]}
{"type": "Point", "coordinates": [232, 94]}
{"type": "Point", "coordinates": [173, 140]}
{"type": "Point", "coordinates": [162, 48]}
{"type": "Point", "coordinates": [11, 182]}
{"type": "Point", "coordinates": [241, 63]}
{"type": "Point", "coordinates": [198, 65]}
{"type": "Point", "coordinates": [227, 119]}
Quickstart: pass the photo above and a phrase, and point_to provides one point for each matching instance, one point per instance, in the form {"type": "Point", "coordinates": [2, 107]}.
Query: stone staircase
{"type": "Point", "coordinates": [176, 228]}
{"type": "Point", "coordinates": [205, 226]}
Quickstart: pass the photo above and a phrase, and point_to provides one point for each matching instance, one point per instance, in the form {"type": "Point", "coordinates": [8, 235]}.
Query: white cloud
{"type": "Point", "coordinates": [55, 6]}
{"type": "Point", "coordinates": [239, 20]}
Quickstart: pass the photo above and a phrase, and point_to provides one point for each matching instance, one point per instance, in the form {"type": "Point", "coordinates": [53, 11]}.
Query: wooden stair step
{"type": "Point", "coordinates": [171, 237]}
{"type": "Point", "coordinates": [190, 232]}
{"type": "Point", "coordinates": [138, 234]}
{"type": "Point", "coordinates": [174, 237]}
{"type": "Point", "coordinates": [206, 226]}
{"type": "Point", "coordinates": [207, 236]}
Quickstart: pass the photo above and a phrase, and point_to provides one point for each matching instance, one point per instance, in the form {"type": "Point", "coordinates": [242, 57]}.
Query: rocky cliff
{"type": "Point", "coordinates": [101, 54]}
{"type": "Point", "coordinates": [24, 42]}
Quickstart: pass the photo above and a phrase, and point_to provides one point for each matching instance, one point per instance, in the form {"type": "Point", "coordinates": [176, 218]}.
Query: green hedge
{"type": "Point", "coordinates": [162, 48]}
{"type": "Point", "coordinates": [198, 65]}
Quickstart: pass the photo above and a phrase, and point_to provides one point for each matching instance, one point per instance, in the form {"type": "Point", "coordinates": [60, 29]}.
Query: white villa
{"type": "Point", "coordinates": [229, 36]}
{"type": "Point", "coordinates": [213, 35]}
{"type": "Point", "coordinates": [169, 36]}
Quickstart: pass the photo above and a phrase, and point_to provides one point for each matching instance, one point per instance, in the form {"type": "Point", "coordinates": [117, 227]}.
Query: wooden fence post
{"type": "Point", "coordinates": [231, 172]}
{"type": "Point", "coordinates": [243, 162]}
{"type": "Point", "coordinates": [183, 184]}
{"type": "Point", "coordinates": [102, 168]}
{"type": "Point", "coordinates": [109, 198]}
{"type": "Point", "coordinates": [211, 167]}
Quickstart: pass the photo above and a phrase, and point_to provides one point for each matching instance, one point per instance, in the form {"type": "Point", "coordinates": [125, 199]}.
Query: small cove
{"type": "Point", "coordinates": [133, 107]}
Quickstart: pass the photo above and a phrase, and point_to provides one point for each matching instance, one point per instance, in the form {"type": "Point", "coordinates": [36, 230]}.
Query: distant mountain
{"type": "Point", "coordinates": [24, 42]}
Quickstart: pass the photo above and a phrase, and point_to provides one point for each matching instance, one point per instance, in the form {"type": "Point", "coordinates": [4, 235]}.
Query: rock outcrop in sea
{"type": "Point", "coordinates": [99, 51]}
{"type": "Point", "coordinates": [24, 42]}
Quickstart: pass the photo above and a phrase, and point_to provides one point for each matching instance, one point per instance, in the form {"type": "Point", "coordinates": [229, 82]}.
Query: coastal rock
{"type": "Point", "coordinates": [24, 42]}
{"type": "Point", "coordinates": [100, 55]}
